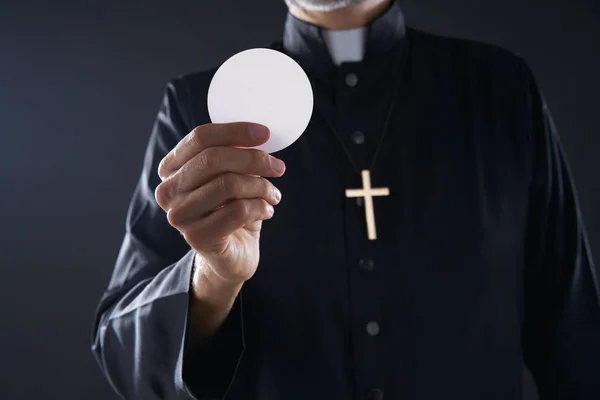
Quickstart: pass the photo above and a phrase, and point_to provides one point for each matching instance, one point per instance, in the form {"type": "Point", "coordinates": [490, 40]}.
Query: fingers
{"type": "Point", "coordinates": [215, 161]}
{"type": "Point", "coordinates": [226, 220]}
{"type": "Point", "coordinates": [213, 182]}
{"type": "Point", "coordinates": [212, 163]}
{"type": "Point", "coordinates": [238, 134]}
{"type": "Point", "coordinates": [220, 191]}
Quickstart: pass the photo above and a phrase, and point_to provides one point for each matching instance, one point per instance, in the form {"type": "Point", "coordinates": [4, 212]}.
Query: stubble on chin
{"type": "Point", "coordinates": [322, 5]}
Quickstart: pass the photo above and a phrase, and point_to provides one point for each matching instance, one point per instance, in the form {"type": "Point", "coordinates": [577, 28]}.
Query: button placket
{"type": "Point", "coordinates": [367, 332]}
{"type": "Point", "coordinates": [357, 137]}
{"type": "Point", "coordinates": [373, 328]}
{"type": "Point", "coordinates": [375, 394]}
{"type": "Point", "coordinates": [351, 79]}
{"type": "Point", "coordinates": [366, 264]}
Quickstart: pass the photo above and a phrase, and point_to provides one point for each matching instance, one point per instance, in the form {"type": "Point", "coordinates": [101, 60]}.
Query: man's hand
{"type": "Point", "coordinates": [215, 193]}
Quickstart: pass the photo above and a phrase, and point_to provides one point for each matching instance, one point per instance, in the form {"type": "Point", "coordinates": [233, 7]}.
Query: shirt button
{"type": "Point", "coordinates": [357, 137]}
{"type": "Point", "coordinates": [351, 79]}
{"type": "Point", "coordinates": [366, 264]}
{"type": "Point", "coordinates": [373, 328]}
{"type": "Point", "coordinates": [375, 394]}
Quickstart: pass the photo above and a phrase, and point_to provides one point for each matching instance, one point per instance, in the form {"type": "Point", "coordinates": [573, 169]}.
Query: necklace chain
{"type": "Point", "coordinates": [385, 125]}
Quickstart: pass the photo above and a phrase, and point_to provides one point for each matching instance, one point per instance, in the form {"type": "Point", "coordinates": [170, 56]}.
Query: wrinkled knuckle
{"type": "Point", "coordinates": [178, 214]}
{"type": "Point", "coordinates": [206, 159]}
{"type": "Point", "coordinates": [267, 187]}
{"type": "Point", "coordinates": [162, 194]}
{"type": "Point", "coordinates": [227, 183]}
{"type": "Point", "coordinates": [264, 207]}
{"type": "Point", "coordinates": [220, 184]}
{"type": "Point", "coordinates": [262, 159]}
{"type": "Point", "coordinates": [162, 169]}
{"type": "Point", "coordinates": [174, 216]}
{"type": "Point", "coordinates": [196, 137]}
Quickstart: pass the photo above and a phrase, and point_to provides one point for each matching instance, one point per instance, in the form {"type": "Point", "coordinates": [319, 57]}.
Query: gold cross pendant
{"type": "Point", "coordinates": [368, 193]}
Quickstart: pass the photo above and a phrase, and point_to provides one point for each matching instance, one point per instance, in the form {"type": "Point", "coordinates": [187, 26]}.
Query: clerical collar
{"type": "Point", "coordinates": [346, 45]}
{"type": "Point", "coordinates": [307, 43]}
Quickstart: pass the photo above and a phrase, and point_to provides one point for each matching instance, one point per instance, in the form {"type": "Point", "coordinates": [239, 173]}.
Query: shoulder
{"type": "Point", "coordinates": [186, 94]}
{"type": "Point", "coordinates": [464, 50]}
{"type": "Point", "coordinates": [469, 56]}
{"type": "Point", "coordinates": [192, 85]}
{"type": "Point", "coordinates": [189, 91]}
{"type": "Point", "coordinates": [194, 82]}
{"type": "Point", "coordinates": [198, 82]}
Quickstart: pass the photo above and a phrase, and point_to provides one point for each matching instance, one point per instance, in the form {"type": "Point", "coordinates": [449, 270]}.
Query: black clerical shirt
{"type": "Point", "coordinates": [481, 262]}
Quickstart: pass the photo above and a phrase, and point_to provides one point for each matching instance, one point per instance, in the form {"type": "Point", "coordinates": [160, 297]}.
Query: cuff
{"type": "Point", "coordinates": [208, 373]}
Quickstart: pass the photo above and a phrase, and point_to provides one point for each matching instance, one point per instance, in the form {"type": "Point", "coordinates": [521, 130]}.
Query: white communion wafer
{"type": "Point", "coordinates": [263, 86]}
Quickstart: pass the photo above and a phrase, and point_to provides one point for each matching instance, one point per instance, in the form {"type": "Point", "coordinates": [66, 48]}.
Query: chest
{"type": "Point", "coordinates": [455, 214]}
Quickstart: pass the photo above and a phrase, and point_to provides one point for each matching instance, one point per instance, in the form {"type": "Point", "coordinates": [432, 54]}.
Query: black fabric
{"type": "Point", "coordinates": [213, 378]}
{"type": "Point", "coordinates": [379, 74]}
{"type": "Point", "coordinates": [481, 262]}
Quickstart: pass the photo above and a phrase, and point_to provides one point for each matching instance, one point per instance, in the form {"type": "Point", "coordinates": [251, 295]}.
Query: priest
{"type": "Point", "coordinates": [422, 240]}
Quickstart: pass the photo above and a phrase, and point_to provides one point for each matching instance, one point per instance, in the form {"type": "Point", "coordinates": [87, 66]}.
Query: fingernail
{"type": "Point", "coordinates": [277, 165]}
{"type": "Point", "coordinates": [270, 210]}
{"type": "Point", "coordinates": [277, 195]}
{"type": "Point", "coordinates": [259, 132]}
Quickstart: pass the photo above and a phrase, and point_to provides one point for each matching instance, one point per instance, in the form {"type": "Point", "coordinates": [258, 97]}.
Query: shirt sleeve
{"type": "Point", "coordinates": [561, 340]}
{"type": "Point", "coordinates": [140, 328]}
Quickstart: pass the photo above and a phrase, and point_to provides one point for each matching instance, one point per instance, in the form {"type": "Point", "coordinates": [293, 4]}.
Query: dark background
{"type": "Point", "coordinates": [80, 84]}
